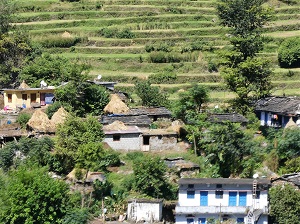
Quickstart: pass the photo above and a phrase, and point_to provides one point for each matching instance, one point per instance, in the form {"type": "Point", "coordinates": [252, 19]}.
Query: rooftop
{"type": "Point", "coordinates": [232, 117]}
{"type": "Point", "coordinates": [222, 181]}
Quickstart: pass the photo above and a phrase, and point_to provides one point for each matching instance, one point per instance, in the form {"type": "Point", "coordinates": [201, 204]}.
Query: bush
{"type": "Point", "coordinates": [163, 78]}
{"type": "Point", "coordinates": [125, 34]}
{"type": "Point", "coordinates": [289, 53]}
{"type": "Point", "coordinates": [23, 118]}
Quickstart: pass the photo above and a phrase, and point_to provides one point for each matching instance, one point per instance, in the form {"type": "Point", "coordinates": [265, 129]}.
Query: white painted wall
{"type": "Point", "coordinates": [148, 211]}
{"type": "Point", "coordinates": [128, 142]}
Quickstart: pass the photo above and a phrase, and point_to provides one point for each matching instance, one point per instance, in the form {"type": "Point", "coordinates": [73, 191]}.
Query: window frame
{"type": "Point", "coordinates": [190, 194]}
{"type": "Point", "coordinates": [219, 194]}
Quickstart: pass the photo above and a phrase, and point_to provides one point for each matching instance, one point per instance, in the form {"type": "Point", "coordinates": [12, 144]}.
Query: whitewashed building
{"type": "Point", "coordinates": [145, 210]}
{"type": "Point", "coordinates": [204, 200]}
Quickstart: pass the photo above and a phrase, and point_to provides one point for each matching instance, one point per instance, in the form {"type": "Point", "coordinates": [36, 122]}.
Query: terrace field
{"type": "Point", "coordinates": [124, 40]}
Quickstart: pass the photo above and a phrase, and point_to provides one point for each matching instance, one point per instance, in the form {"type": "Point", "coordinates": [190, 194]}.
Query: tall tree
{"type": "Point", "coordinates": [30, 195]}
{"type": "Point", "coordinates": [6, 12]}
{"type": "Point", "coordinates": [150, 95]}
{"type": "Point", "coordinates": [244, 73]}
{"type": "Point", "coordinates": [285, 204]}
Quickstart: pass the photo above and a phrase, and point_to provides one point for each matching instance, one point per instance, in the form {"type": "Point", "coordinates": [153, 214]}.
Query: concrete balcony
{"type": "Point", "coordinates": [211, 209]}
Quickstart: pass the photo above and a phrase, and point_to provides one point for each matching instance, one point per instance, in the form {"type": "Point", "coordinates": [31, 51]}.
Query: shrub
{"type": "Point", "coordinates": [108, 32]}
{"type": "Point", "coordinates": [289, 53]}
{"type": "Point", "coordinates": [125, 34]}
{"type": "Point", "coordinates": [23, 118]}
{"type": "Point", "coordinates": [163, 78]}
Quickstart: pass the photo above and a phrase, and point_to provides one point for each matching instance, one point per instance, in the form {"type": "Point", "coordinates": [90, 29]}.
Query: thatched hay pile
{"type": "Point", "coordinates": [39, 122]}
{"type": "Point", "coordinates": [116, 125]}
{"type": "Point", "coordinates": [291, 124]}
{"type": "Point", "coordinates": [24, 85]}
{"type": "Point", "coordinates": [66, 35]}
{"type": "Point", "coordinates": [116, 106]}
{"type": "Point", "coordinates": [59, 116]}
{"type": "Point", "coordinates": [176, 126]}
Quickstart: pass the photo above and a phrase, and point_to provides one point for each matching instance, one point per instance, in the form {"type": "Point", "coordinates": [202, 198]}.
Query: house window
{"type": "Point", "coordinates": [116, 137]}
{"type": "Point", "coordinates": [24, 97]}
{"type": "Point", "coordinates": [190, 186]}
{"type": "Point", "coordinates": [219, 194]}
{"type": "Point", "coordinates": [160, 137]}
{"type": "Point", "coordinates": [219, 185]}
{"type": "Point", "coordinates": [202, 221]}
{"type": "Point", "coordinates": [146, 140]}
{"type": "Point", "coordinates": [189, 220]}
{"type": "Point", "coordinates": [240, 220]}
{"type": "Point", "coordinates": [190, 194]}
{"type": "Point", "coordinates": [9, 97]}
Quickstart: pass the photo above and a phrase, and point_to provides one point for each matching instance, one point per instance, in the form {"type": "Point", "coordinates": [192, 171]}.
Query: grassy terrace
{"type": "Point", "coordinates": [113, 37]}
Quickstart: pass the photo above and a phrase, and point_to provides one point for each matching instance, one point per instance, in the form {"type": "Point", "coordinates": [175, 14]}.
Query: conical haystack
{"type": "Point", "coordinates": [24, 85]}
{"type": "Point", "coordinates": [116, 106]}
{"type": "Point", "coordinates": [59, 116]}
{"type": "Point", "coordinates": [116, 125]}
{"type": "Point", "coordinates": [40, 122]}
{"type": "Point", "coordinates": [291, 124]}
{"type": "Point", "coordinates": [66, 35]}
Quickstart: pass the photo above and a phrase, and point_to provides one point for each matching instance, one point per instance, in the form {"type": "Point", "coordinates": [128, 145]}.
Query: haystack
{"type": "Point", "coordinates": [116, 125]}
{"type": "Point", "coordinates": [1, 102]}
{"type": "Point", "coordinates": [291, 124]}
{"type": "Point", "coordinates": [66, 35]}
{"type": "Point", "coordinates": [59, 116]}
{"type": "Point", "coordinates": [116, 106]}
{"type": "Point", "coordinates": [24, 85]}
{"type": "Point", "coordinates": [39, 122]}
{"type": "Point", "coordinates": [176, 126]}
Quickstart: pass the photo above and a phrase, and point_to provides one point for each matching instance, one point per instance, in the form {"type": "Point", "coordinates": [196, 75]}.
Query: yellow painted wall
{"type": "Point", "coordinates": [17, 97]}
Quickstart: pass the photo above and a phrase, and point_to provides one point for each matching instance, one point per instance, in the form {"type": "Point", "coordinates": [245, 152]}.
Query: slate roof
{"type": "Point", "coordinates": [154, 132]}
{"type": "Point", "coordinates": [150, 111]}
{"type": "Point", "coordinates": [180, 163]}
{"type": "Point", "coordinates": [129, 130]}
{"type": "Point", "coordinates": [279, 105]}
{"type": "Point", "coordinates": [232, 117]}
{"type": "Point", "coordinates": [292, 177]}
{"type": "Point", "coordinates": [222, 181]}
{"type": "Point", "coordinates": [129, 120]}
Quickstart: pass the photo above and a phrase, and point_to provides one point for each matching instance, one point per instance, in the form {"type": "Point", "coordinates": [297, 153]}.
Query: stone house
{"type": "Point", "coordinates": [148, 210]}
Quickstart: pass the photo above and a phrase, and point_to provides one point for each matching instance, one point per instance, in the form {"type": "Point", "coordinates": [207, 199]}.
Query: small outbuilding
{"type": "Point", "coordinates": [159, 140]}
{"type": "Point", "coordinates": [147, 210]}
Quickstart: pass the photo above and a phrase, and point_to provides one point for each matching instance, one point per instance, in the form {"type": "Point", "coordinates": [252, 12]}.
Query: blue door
{"type": "Point", "coordinates": [232, 198]}
{"type": "Point", "coordinates": [203, 198]}
{"type": "Point", "coordinates": [202, 221]}
{"type": "Point", "coordinates": [242, 198]}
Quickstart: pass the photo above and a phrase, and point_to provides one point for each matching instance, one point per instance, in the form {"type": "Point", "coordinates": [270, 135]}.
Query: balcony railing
{"type": "Point", "coordinates": [211, 209]}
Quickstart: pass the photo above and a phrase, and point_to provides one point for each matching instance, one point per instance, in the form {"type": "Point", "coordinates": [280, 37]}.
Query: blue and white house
{"type": "Point", "coordinates": [205, 200]}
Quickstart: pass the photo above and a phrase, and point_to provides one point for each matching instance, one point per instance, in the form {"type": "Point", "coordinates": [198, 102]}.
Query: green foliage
{"type": "Point", "coordinates": [84, 98]}
{"type": "Point", "coordinates": [232, 150]}
{"type": "Point", "coordinates": [23, 118]}
{"type": "Point", "coordinates": [149, 177]}
{"type": "Point", "coordinates": [32, 196]}
{"type": "Point", "coordinates": [52, 108]}
{"type": "Point", "coordinates": [150, 95]}
{"type": "Point", "coordinates": [6, 12]}
{"type": "Point", "coordinates": [289, 53]}
{"type": "Point", "coordinates": [115, 33]}
{"type": "Point", "coordinates": [163, 78]}
{"type": "Point", "coordinates": [14, 49]}
{"type": "Point", "coordinates": [77, 216]}
{"type": "Point", "coordinates": [190, 103]}
{"type": "Point", "coordinates": [284, 204]}
{"type": "Point", "coordinates": [80, 141]}
{"type": "Point", "coordinates": [292, 165]}
{"type": "Point", "coordinates": [53, 70]}
{"type": "Point", "coordinates": [58, 41]}
{"type": "Point", "coordinates": [289, 144]}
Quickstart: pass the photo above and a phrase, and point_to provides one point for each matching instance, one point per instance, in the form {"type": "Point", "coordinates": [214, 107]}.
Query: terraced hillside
{"type": "Point", "coordinates": [127, 39]}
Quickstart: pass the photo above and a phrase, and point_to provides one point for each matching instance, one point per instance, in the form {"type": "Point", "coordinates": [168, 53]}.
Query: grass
{"type": "Point", "coordinates": [175, 22]}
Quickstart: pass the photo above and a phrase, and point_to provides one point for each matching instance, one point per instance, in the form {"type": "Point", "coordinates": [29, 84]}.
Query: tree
{"type": "Point", "coordinates": [190, 103]}
{"type": "Point", "coordinates": [289, 53]}
{"type": "Point", "coordinates": [76, 138]}
{"type": "Point", "coordinates": [244, 74]}
{"type": "Point", "coordinates": [151, 96]}
{"type": "Point", "coordinates": [6, 12]}
{"type": "Point", "coordinates": [53, 70]}
{"type": "Point", "coordinates": [149, 177]}
{"type": "Point", "coordinates": [233, 151]}
{"type": "Point", "coordinates": [285, 204]}
{"type": "Point", "coordinates": [30, 195]}
{"type": "Point", "coordinates": [289, 144]}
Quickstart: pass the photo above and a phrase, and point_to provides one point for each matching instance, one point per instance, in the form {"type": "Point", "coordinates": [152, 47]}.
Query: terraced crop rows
{"type": "Point", "coordinates": [116, 37]}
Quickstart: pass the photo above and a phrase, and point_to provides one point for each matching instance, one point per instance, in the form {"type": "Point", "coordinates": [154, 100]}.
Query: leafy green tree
{"type": "Point", "coordinates": [232, 150]}
{"type": "Point", "coordinates": [15, 48]}
{"type": "Point", "coordinates": [32, 196]}
{"type": "Point", "coordinates": [284, 204]}
{"type": "Point", "coordinates": [53, 70]}
{"type": "Point", "coordinates": [151, 96]}
{"type": "Point", "coordinates": [75, 136]}
{"type": "Point", "coordinates": [149, 177]}
{"type": "Point", "coordinates": [289, 144]}
{"type": "Point", "coordinates": [190, 103]}
{"type": "Point", "coordinates": [244, 73]}
{"type": "Point", "coordinates": [289, 53]}
{"type": "Point", "coordinates": [23, 118]}
{"type": "Point", "coordinates": [6, 13]}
